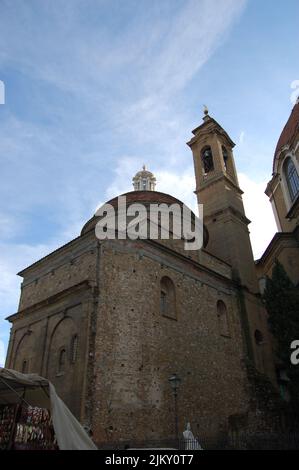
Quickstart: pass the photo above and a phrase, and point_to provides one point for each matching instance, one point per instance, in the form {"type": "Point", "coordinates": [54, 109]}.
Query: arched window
{"type": "Point", "coordinates": [61, 360]}
{"type": "Point", "coordinates": [222, 318]}
{"type": "Point", "coordinates": [74, 348]}
{"type": "Point", "coordinates": [225, 156]}
{"type": "Point", "coordinates": [292, 178]}
{"type": "Point", "coordinates": [207, 159]}
{"type": "Point", "coordinates": [167, 298]}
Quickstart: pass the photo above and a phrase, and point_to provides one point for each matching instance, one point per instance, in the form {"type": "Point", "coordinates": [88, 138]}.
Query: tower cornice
{"type": "Point", "coordinates": [210, 126]}
{"type": "Point", "coordinates": [212, 180]}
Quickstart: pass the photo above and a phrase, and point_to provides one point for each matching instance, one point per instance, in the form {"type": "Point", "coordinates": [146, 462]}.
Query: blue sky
{"type": "Point", "coordinates": [96, 88]}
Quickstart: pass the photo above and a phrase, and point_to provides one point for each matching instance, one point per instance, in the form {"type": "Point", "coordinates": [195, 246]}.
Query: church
{"type": "Point", "coordinates": [115, 323]}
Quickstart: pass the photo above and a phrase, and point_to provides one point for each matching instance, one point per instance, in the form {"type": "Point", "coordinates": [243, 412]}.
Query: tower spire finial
{"type": "Point", "coordinates": [206, 113]}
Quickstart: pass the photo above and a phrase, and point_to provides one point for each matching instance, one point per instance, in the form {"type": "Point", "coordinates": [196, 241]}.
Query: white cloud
{"type": "Point", "coordinates": [123, 86]}
{"type": "Point", "coordinates": [258, 210]}
{"type": "Point", "coordinates": [256, 204]}
{"type": "Point", "coordinates": [2, 92]}
{"type": "Point", "coordinates": [15, 257]}
{"type": "Point", "coordinates": [187, 44]}
{"type": "Point", "coordinates": [241, 137]}
{"type": "Point", "coordinates": [190, 40]}
{"type": "Point", "coordinates": [163, 49]}
{"type": "Point", "coordinates": [2, 353]}
{"type": "Point", "coordinates": [295, 94]}
{"type": "Point", "coordinates": [182, 185]}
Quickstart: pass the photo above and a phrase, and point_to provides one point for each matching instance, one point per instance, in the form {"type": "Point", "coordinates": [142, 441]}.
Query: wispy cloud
{"type": "Point", "coordinates": [295, 93]}
{"type": "Point", "coordinates": [97, 87]}
{"type": "Point", "coordinates": [258, 210]}
{"type": "Point", "coordinates": [2, 353]}
{"type": "Point", "coordinates": [182, 184]}
{"type": "Point", "coordinates": [241, 137]}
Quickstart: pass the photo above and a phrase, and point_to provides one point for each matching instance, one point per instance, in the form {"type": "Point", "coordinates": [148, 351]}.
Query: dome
{"type": "Point", "coordinates": [289, 129]}
{"type": "Point", "coordinates": [146, 198]}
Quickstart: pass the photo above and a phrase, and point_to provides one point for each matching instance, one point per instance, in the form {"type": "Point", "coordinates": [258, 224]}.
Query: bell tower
{"type": "Point", "coordinates": [217, 188]}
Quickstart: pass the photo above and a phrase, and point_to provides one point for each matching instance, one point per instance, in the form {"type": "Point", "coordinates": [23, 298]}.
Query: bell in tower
{"type": "Point", "coordinates": [217, 188]}
{"type": "Point", "coordinates": [212, 150]}
{"type": "Point", "coordinates": [144, 180]}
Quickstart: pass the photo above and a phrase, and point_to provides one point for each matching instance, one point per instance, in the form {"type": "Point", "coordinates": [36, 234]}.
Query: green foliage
{"type": "Point", "coordinates": [281, 298]}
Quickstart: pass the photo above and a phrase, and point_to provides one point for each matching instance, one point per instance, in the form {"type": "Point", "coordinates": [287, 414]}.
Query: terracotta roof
{"type": "Point", "coordinates": [289, 129]}
{"type": "Point", "coordinates": [146, 196]}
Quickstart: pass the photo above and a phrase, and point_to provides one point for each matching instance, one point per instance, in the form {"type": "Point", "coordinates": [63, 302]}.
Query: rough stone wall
{"type": "Point", "coordinates": [287, 253]}
{"type": "Point", "coordinates": [56, 305]}
{"type": "Point", "coordinates": [137, 348]}
{"type": "Point", "coordinates": [262, 352]}
{"type": "Point", "coordinates": [126, 348]}
{"type": "Point", "coordinates": [38, 337]}
{"type": "Point", "coordinates": [60, 270]}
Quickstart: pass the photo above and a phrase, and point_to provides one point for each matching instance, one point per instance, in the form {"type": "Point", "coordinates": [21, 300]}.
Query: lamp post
{"type": "Point", "coordinates": [175, 381]}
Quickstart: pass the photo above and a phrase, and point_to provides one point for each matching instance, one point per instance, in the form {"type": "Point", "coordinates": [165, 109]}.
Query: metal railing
{"type": "Point", "coordinates": [241, 441]}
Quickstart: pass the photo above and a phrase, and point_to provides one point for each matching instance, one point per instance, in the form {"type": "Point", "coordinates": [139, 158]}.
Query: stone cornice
{"type": "Point", "coordinates": [274, 244]}
{"type": "Point", "coordinates": [214, 179]}
{"type": "Point", "coordinates": [51, 300]}
{"type": "Point", "coordinates": [208, 127]}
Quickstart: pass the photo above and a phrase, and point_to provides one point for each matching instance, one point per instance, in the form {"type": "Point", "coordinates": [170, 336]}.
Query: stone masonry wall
{"type": "Point", "coordinates": [137, 348]}
{"type": "Point", "coordinates": [60, 270]}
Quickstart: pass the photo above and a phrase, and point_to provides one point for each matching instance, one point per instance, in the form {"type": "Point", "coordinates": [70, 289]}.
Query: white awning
{"type": "Point", "coordinates": [38, 391]}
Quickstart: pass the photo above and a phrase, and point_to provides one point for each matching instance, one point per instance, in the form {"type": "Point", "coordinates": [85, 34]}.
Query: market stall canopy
{"type": "Point", "coordinates": [38, 391]}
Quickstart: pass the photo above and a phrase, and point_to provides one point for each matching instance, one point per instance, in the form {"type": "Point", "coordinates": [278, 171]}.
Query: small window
{"type": "Point", "coordinates": [163, 298]}
{"type": "Point", "coordinates": [61, 361]}
{"type": "Point", "coordinates": [207, 159]}
{"type": "Point", "coordinates": [292, 178]}
{"type": "Point", "coordinates": [144, 185]}
{"type": "Point", "coordinates": [167, 298]}
{"type": "Point", "coordinates": [225, 156]}
{"type": "Point", "coordinates": [24, 367]}
{"type": "Point", "coordinates": [222, 318]}
{"type": "Point", "coordinates": [74, 348]}
{"type": "Point", "coordinates": [258, 336]}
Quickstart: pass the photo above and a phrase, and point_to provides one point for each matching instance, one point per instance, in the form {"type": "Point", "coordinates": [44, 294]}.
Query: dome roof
{"type": "Point", "coordinates": [146, 198]}
{"type": "Point", "coordinates": [289, 129]}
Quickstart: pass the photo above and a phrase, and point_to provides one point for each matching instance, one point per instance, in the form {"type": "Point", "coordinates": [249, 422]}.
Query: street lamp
{"type": "Point", "coordinates": [175, 381]}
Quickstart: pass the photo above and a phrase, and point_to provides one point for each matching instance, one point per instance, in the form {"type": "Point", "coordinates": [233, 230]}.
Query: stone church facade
{"type": "Point", "coordinates": [283, 192]}
{"type": "Point", "coordinates": [109, 321]}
